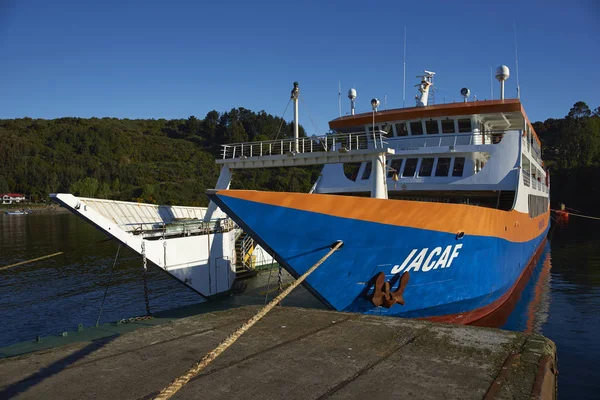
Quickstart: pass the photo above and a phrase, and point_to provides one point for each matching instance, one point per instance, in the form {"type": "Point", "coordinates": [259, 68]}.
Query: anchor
{"type": "Point", "coordinates": [383, 295]}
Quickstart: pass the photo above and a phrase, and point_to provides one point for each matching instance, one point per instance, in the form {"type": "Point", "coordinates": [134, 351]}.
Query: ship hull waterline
{"type": "Point", "coordinates": [463, 260]}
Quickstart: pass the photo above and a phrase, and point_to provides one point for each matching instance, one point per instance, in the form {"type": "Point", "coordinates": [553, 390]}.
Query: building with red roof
{"type": "Point", "coordinates": [10, 198]}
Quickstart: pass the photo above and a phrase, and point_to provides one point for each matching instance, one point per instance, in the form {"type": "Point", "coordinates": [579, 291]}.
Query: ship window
{"type": "Point", "coordinates": [447, 126]}
{"type": "Point", "coordinates": [351, 170]}
{"type": "Point", "coordinates": [459, 166]}
{"type": "Point", "coordinates": [410, 167]}
{"type": "Point", "coordinates": [464, 125]}
{"type": "Point", "coordinates": [387, 128]}
{"type": "Point", "coordinates": [443, 166]}
{"type": "Point", "coordinates": [395, 166]}
{"type": "Point", "coordinates": [432, 127]}
{"type": "Point", "coordinates": [367, 172]}
{"type": "Point", "coordinates": [416, 128]}
{"type": "Point", "coordinates": [538, 205]}
{"type": "Point", "coordinates": [426, 167]}
{"type": "Point", "coordinates": [526, 169]}
{"type": "Point", "coordinates": [401, 129]}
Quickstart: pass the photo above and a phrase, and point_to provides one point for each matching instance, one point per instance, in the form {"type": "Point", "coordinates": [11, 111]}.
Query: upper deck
{"type": "Point", "coordinates": [507, 112]}
{"type": "Point", "coordinates": [423, 125]}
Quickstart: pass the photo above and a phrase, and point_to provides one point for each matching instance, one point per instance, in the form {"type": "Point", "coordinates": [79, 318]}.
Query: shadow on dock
{"type": "Point", "coordinates": [54, 368]}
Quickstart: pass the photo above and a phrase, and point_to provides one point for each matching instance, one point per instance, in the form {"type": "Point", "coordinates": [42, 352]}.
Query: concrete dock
{"type": "Point", "coordinates": [293, 353]}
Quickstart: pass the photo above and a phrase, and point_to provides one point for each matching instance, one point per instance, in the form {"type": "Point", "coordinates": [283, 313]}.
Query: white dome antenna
{"type": "Point", "coordinates": [375, 104]}
{"type": "Point", "coordinates": [502, 74]}
{"type": "Point", "coordinates": [465, 92]}
{"type": "Point", "coordinates": [352, 97]}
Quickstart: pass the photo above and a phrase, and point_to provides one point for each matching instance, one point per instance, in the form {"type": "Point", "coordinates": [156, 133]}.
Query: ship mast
{"type": "Point", "coordinates": [426, 82]}
{"type": "Point", "coordinates": [294, 96]}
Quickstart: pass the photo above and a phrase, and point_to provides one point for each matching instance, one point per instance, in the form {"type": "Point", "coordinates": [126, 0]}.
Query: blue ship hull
{"type": "Point", "coordinates": [451, 275]}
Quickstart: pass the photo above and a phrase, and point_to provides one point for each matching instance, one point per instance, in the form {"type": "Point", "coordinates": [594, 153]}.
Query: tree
{"type": "Point", "coordinates": [192, 126]}
{"type": "Point", "coordinates": [579, 110]}
{"type": "Point", "coordinates": [116, 186]}
{"type": "Point", "coordinates": [4, 188]}
{"type": "Point", "coordinates": [209, 125]}
{"type": "Point", "coordinates": [87, 187]}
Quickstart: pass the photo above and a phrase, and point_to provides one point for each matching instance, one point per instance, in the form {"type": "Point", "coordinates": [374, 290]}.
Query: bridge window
{"type": "Point", "coordinates": [367, 172]}
{"type": "Point", "coordinates": [443, 166]}
{"type": "Point", "coordinates": [416, 128]}
{"type": "Point", "coordinates": [432, 127]}
{"type": "Point", "coordinates": [351, 170]}
{"type": "Point", "coordinates": [401, 129]}
{"type": "Point", "coordinates": [426, 167]}
{"type": "Point", "coordinates": [395, 166]}
{"type": "Point", "coordinates": [410, 167]}
{"type": "Point", "coordinates": [459, 166]}
{"type": "Point", "coordinates": [448, 126]}
{"type": "Point", "coordinates": [464, 125]}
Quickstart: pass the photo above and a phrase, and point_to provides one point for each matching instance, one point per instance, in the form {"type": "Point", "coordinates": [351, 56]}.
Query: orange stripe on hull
{"type": "Point", "coordinates": [442, 217]}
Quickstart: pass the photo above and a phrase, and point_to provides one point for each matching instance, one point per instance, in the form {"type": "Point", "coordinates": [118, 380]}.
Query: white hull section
{"type": "Point", "coordinates": [199, 253]}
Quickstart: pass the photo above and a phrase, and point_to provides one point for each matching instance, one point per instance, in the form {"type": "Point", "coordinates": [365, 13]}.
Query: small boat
{"type": "Point", "coordinates": [19, 212]}
{"type": "Point", "coordinates": [440, 208]}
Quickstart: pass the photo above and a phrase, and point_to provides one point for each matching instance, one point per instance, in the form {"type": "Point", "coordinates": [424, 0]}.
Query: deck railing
{"type": "Point", "coordinates": [327, 143]}
{"type": "Point", "coordinates": [184, 227]}
{"type": "Point", "coordinates": [536, 155]}
{"type": "Point", "coordinates": [355, 141]}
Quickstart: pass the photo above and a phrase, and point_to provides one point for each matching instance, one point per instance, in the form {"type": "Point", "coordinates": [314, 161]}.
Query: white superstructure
{"type": "Point", "coordinates": [482, 153]}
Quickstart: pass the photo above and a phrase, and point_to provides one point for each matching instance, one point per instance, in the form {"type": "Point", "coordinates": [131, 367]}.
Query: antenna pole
{"type": "Point", "coordinates": [517, 61]}
{"type": "Point", "coordinates": [340, 97]}
{"type": "Point", "coordinates": [404, 76]}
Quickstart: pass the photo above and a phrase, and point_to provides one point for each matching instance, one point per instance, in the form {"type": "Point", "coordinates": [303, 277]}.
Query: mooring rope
{"type": "Point", "coordinates": [108, 285]}
{"type": "Point", "coordinates": [577, 215]}
{"type": "Point", "coordinates": [32, 260]}
{"type": "Point", "coordinates": [178, 383]}
{"type": "Point", "coordinates": [50, 255]}
{"type": "Point", "coordinates": [282, 119]}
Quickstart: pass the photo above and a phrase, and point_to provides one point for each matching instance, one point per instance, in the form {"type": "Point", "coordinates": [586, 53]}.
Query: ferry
{"type": "Point", "coordinates": [440, 207]}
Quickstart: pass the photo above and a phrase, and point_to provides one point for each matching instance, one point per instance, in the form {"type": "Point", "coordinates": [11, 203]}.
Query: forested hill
{"type": "Point", "coordinates": [571, 150]}
{"type": "Point", "coordinates": [160, 161]}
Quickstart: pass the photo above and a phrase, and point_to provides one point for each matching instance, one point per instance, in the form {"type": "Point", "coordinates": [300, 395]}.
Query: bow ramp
{"type": "Point", "coordinates": [198, 250]}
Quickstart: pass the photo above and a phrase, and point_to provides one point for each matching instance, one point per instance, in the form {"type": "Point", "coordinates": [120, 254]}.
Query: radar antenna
{"type": "Point", "coordinates": [352, 97]}
{"type": "Point", "coordinates": [426, 82]}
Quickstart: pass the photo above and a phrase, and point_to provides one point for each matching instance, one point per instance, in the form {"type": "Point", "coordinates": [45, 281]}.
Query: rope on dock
{"type": "Point", "coordinates": [577, 215]}
{"type": "Point", "coordinates": [32, 260]}
{"type": "Point", "coordinates": [178, 383]}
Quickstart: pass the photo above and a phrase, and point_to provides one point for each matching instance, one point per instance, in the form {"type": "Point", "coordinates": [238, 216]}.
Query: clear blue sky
{"type": "Point", "coordinates": [173, 59]}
